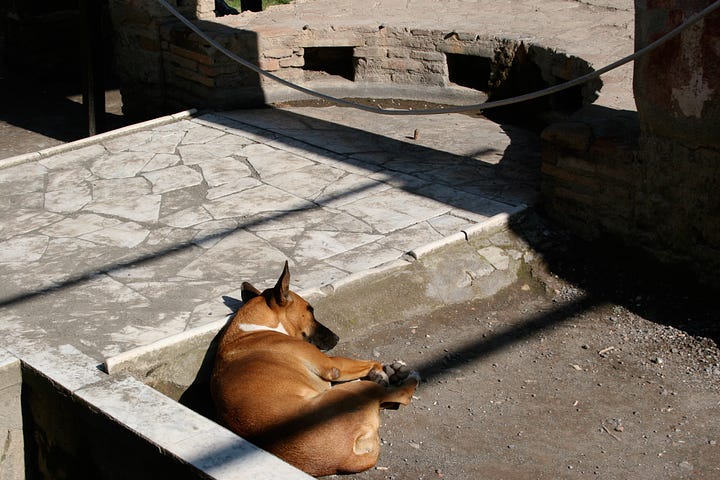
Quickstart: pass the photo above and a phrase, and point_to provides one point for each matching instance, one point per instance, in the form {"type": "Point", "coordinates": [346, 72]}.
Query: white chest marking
{"type": "Point", "coordinates": [251, 327]}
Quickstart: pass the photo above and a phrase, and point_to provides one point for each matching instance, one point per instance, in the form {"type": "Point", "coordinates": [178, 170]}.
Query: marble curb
{"type": "Point", "coordinates": [351, 279]}
{"type": "Point", "coordinates": [114, 364]}
{"type": "Point", "coordinates": [491, 225]}
{"type": "Point", "coordinates": [418, 253]}
{"type": "Point", "coordinates": [83, 142]}
{"type": "Point", "coordinates": [152, 417]}
{"type": "Point", "coordinates": [184, 434]}
{"type": "Point", "coordinates": [501, 221]}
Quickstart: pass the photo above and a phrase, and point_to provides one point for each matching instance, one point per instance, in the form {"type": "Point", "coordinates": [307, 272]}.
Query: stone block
{"type": "Point", "coordinates": [575, 180]}
{"type": "Point", "coordinates": [428, 55]}
{"type": "Point", "coordinates": [270, 64]}
{"type": "Point", "coordinates": [172, 59]}
{"type": "Point", "coordinates": [577, 164]}
{"type": "Point", "coordinates": [338, 40]}
{"type": "Point", "coordinates": [278, 53]}
{"type": "Point", "coordinates": [626, 173]}
{"type": "Point", "coordinates": [400, 64]}
{"type": "Point", "coordinates": [574, 136]}
{"type": "Point", "coordinates": [217, 70]}
{"type": "Point", "coordinates": [200, 57]}
{"type": "Point", "coordinates": [613, 148]}
{"type": "Point", "coordinates": [193, 76]}
{"type": "Point", "coordinates": [398, 52]}
{"type": "Point", "coordinates": [436, 67]}
{"type": "Point", "coordinates": [293, 61]}
{"type": "Point", "coordinates": [370, 51]}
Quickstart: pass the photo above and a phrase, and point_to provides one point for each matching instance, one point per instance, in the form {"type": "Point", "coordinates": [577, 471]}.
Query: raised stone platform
{"type": "Point", "coordinates": [121, 241]}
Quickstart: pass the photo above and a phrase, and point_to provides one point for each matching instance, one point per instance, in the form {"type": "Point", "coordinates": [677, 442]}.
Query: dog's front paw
{"type": "Point", "coordinates": [378, 376]}
{"type": "Point", "coordinates": [398, 372]}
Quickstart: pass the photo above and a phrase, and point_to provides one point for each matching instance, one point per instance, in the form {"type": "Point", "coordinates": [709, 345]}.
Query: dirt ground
{"type": "Point", "coordinates": [609, 370]}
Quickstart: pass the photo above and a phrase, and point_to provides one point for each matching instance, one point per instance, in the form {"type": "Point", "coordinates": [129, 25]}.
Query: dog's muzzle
{"type": "Point", "coordinates": [323, 337]}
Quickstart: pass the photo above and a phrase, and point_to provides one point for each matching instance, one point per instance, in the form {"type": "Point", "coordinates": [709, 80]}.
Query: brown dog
{"type": "Point", "coordinates": [273, 386]}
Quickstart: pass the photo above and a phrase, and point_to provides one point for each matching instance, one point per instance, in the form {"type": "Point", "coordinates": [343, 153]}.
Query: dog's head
{"type": "Point", "coordinates": [295, 315]}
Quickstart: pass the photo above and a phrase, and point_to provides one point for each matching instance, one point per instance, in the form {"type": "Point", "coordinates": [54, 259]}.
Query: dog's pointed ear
{"type": "Point", "coordinates": [281, 292]}
{"type": "Point", "coordinates": [248, 292]}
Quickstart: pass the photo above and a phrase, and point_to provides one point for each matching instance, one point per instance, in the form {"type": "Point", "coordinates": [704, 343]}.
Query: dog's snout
{"type": "Point", "coordinates": [323, 337]}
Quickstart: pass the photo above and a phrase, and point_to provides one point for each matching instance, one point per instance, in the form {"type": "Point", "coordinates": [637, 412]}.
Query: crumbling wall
{"type": "Point", "coordinates": [165, 67]}
{"type": "Point", "coordinates": [654, 182]}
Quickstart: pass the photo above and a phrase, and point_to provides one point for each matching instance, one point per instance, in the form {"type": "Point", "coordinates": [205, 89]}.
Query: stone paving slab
{"type": "Point", "coordinates": [118, 244]}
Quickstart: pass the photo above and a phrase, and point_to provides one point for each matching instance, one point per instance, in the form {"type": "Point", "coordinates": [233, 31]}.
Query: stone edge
{"type": "Point", "coordinates": [66, 147]}
{"type": "Point", "coordinates": [493, 224]}
{"type": "Point", "coordinates": [191, 438]}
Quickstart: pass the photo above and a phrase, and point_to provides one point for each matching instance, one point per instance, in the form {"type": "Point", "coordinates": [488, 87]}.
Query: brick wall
{"type": "Point", "coordinates": [164, 67]}
{"type": "Point", "coordinates": [602, 177]}
{"type": "Point", "coordinates": [652, 178]}
{"type": "Point", "coordinates": [590, 173]}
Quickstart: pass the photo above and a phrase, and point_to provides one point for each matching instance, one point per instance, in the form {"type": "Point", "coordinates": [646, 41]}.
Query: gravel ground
{"type": "Point", "coordinates": [590, 366]}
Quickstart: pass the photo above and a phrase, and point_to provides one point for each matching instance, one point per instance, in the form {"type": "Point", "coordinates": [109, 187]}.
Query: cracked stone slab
{"type": "Point", "coordinates": [138, 209]}
{"type": "Point", "coordinates": [350, 188]}
{"type": "Point", "coordinates": [201, 134]}
{"type": "Point", "coordinates": [365, 257]}
{"type": "Point", "coordinates": [23, 249]}
{"type": "Point", "coordinates": [327, 219]}
{"type": "Point", "coordinates": [74, 177]}
{"type": "Point", "coordinates": [160, 161]}
{"type": "Point", "coordinates": [79, 225]}
{"type": "Point", "coordinates": [219, 171]}
{"type": "Point", "coordinates": [268, 161]}
{"type": "Point", "coordinates": [225, 146]}
{"type": "Point", "coordinates": [496, 256]}
{"type": "Point", "coordinates": [188, 217]}
{"type": "Point", "coordinates": [122, 235]}
{"type": "Point", "coordinates": [263, 198]}
{"type": "Point", "coordinates": [173, 178]}
{"type": "Point", "coordinates": [120, 165]}
{"type": "Point", "coordinates": [315, 244]}
{"type": "Point", "coordinates": [235, 256]}
{"type": "Point", "coordinates": [393, 209]}
{"type": "Point", "coordinates": [22, 179]}
{"type": "Point", "coordinates": [26, 221]}
{"type": "Point", "coordinates": [68, 200]}
{"type": "Point", "coordinates": [232, 186]}
{"type": "Point", "coordinates": [307, 182]}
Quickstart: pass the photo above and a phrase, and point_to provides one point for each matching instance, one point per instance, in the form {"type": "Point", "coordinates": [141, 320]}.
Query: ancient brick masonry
{"type": "Point", "coordinates": [164, 67]}
{"type": "Point", "coordinates": [654, 182]}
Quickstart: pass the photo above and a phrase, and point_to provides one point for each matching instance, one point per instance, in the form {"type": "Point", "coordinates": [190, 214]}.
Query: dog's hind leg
{"type": "Point", "coordinates": [395, 396]}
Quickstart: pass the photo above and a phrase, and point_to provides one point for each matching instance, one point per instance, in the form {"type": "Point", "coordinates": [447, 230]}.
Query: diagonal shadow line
{"type": "Point", "coordinates": [79, 278]}
{"type": "Point", "coordinates": [471, 351]}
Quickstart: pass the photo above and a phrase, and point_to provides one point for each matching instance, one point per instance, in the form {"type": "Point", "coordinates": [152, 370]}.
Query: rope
{"type": "Point", "coordinates": [454, 109]}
